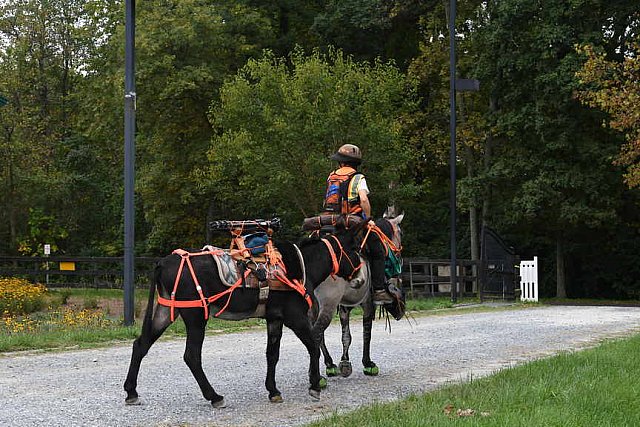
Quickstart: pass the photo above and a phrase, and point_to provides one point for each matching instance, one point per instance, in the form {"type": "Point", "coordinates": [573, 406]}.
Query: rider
{"type": "Point", "coordinates": [347, 193]}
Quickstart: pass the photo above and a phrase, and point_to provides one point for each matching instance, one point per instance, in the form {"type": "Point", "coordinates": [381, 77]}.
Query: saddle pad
{"type": "Point", "coordinates": [227, 269]}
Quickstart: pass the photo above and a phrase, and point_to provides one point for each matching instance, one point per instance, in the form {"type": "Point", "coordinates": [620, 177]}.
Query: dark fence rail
{"type": "Point", "coordinates": [488, 279]}
{"type": "Point", "coordinates": [432, 277]}
{"type": "Point", "coordinates": [67, 271]}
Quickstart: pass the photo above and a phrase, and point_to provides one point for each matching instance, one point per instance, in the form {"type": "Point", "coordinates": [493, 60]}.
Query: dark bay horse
{"type": "Point", "coordinates": [335, 254]}
{"type": "Point", "coordinates": [344, 295]}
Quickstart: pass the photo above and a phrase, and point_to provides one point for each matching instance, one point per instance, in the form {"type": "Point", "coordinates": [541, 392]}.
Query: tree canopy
{"type": "Point", "coordinates": [241, 103]}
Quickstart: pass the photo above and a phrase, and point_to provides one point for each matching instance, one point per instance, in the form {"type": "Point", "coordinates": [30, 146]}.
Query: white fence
{"type": "Point", "coordinates": [529, 280]}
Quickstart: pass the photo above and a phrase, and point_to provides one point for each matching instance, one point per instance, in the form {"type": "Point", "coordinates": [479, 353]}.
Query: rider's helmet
{"type": "Point", "coordinates": [348, 153]}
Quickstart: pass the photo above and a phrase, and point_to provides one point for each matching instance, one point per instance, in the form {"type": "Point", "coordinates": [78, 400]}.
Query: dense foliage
{"type": "Point", "coordinates": [240, 103]}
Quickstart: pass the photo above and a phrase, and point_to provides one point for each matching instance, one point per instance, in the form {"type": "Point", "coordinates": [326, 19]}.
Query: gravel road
{"type": "Point", "coordinates": [84, 388]}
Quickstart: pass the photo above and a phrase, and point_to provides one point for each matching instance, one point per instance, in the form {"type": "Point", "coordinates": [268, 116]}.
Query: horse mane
{"type": "Point", "coordinates": [290, 258]}
{"type": "Point", "coordinates": [307, 241]}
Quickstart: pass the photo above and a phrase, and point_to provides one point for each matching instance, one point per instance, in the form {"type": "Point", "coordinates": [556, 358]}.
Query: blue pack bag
{"type": "Point", "coordinates": [256, 242]}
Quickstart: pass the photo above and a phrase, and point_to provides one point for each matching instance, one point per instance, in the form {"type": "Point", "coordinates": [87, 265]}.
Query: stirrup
{"type": "Point", "coordinates": [382, 297]}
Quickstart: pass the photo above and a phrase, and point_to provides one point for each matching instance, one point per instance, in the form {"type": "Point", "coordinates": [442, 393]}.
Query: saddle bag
{"type": "Point", "coordinates": [392, 265]}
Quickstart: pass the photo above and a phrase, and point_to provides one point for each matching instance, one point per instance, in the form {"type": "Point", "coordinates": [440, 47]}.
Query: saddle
{"type": "Point", "coordinates": [255, 254]}
{"type": "Point", "coordinates": [251, 261]}
{"type": "Point", "coordinates": [263, 269]}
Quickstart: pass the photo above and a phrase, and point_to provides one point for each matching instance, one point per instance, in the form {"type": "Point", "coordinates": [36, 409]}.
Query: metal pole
{"type": "Point", "coordinates": [129, 159]}
{"type": "Point", "coordinates": [452, 159]}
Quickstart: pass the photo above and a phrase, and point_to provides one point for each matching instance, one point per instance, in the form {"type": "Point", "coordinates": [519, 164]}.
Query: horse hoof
{"type": "Point", "coordinates": [371, 371]}
{"type": "Point", "coordinates": [132, 401]}
{"type": "Point", "coordinates": [276, 399]}
{"type": "Point", "coordinates": [219, 404]}
{"type": "Point", "coordinates": [315, 394]}
{"type": "Point", "coordinates": [332, 371]}
{"type": "Point", "coordinates": [345, 368]}
{"type": "Point", "coordinates": [323, 383]}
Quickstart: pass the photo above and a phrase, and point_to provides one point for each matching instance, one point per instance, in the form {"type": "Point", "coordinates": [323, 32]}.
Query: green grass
{"type": "Point", "coordinates": [596, 387]}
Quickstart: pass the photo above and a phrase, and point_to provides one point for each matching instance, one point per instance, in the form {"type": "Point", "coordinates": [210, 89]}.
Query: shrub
{"type": "Point", "coordinates": [19, 296]}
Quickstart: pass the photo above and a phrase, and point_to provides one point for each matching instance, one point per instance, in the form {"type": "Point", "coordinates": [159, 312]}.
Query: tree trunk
{"type": "Point", "coordinates": [488, 149]}
{"type": "Point", "coordinates": [473, 208]}
{"type": "Point", "coordinates": [486, 197]}
{"type": "Point", "coordinates": [561, 288]}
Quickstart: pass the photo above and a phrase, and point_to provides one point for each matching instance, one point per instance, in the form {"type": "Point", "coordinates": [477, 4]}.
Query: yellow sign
{"type": "Point", "coordinates": [67, 266]}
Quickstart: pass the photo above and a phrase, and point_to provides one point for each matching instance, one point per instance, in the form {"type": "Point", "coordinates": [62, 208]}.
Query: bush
{"type": "Point", "coordinates": [19, 296]}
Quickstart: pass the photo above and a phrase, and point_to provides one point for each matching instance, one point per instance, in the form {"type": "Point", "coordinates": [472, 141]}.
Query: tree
{"type": "Point", "coordinates": [614, 87]}
{"type": "Point", "coordinates": [185, 49]}
{"type": "Point", "coordinates": [276, 126]}
{"type": "Point", "coordinates": [369, 29]}
{"type": "Point", "coordinates": [44, 47]}
{"type": "Point", "coordinates": [550, 157]}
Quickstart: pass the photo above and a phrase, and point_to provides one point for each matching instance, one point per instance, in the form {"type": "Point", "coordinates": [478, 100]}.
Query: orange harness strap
{"type": "Point", "coordinates": [204, 302]}
{"type": "Point", "coordinates": [336, 261]}
{"type": "Point", "coordinates": [294, 284]}
{"type": "Point", "coordinates": [389, 245]}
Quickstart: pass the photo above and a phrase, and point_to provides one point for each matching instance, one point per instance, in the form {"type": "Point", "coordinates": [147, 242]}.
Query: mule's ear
{"type": "Point", "coordinates": [398, 219]}
{"type": "Point", "coordinates": [388, 213]}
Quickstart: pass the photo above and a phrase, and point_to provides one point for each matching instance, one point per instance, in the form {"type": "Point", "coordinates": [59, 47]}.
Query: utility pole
{"type": "Point", "coordinates": [452, 158]}
{"type": "Point", "coordinates": [129, 159]}
{"type": "Point", "coordinates": [455, 85]}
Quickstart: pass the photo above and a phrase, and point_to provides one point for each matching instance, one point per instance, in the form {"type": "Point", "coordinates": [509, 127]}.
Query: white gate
{"type": "Point", "coordinates": [529, 280]}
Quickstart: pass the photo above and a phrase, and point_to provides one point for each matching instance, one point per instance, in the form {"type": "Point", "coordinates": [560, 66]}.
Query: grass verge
{"type": "Point", "coordinates": [595, 387]}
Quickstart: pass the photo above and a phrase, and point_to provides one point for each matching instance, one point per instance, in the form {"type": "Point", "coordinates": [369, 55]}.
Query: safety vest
{"type": "Point", "coordinates": [342, 191]}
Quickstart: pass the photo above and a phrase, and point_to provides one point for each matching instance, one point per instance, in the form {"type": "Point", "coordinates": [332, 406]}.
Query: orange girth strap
{"type": "Point", "coordinates": [204, 302]}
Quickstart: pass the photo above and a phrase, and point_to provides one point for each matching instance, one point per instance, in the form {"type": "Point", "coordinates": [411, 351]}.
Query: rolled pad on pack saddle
{"type": "Point", "coordinates": [337, 220]}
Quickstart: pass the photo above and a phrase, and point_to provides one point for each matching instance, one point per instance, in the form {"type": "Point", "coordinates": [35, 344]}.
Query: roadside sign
{"type": "Point", "coordinates": [47, 249]}
{"type": "Point", "coordinates": [67, 266]}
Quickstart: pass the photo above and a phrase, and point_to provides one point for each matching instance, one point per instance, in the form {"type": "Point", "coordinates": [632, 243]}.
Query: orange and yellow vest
{"type": "Point", "coordinates": [342, 191]}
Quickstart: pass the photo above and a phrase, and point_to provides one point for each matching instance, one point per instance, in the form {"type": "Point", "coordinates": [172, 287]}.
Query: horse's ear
{"type": "Point", "coordinates": [398, 219]}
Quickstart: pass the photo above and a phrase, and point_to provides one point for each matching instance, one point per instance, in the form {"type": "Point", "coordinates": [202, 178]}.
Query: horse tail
{"type": "Point", "coordinates": [147, 322]}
